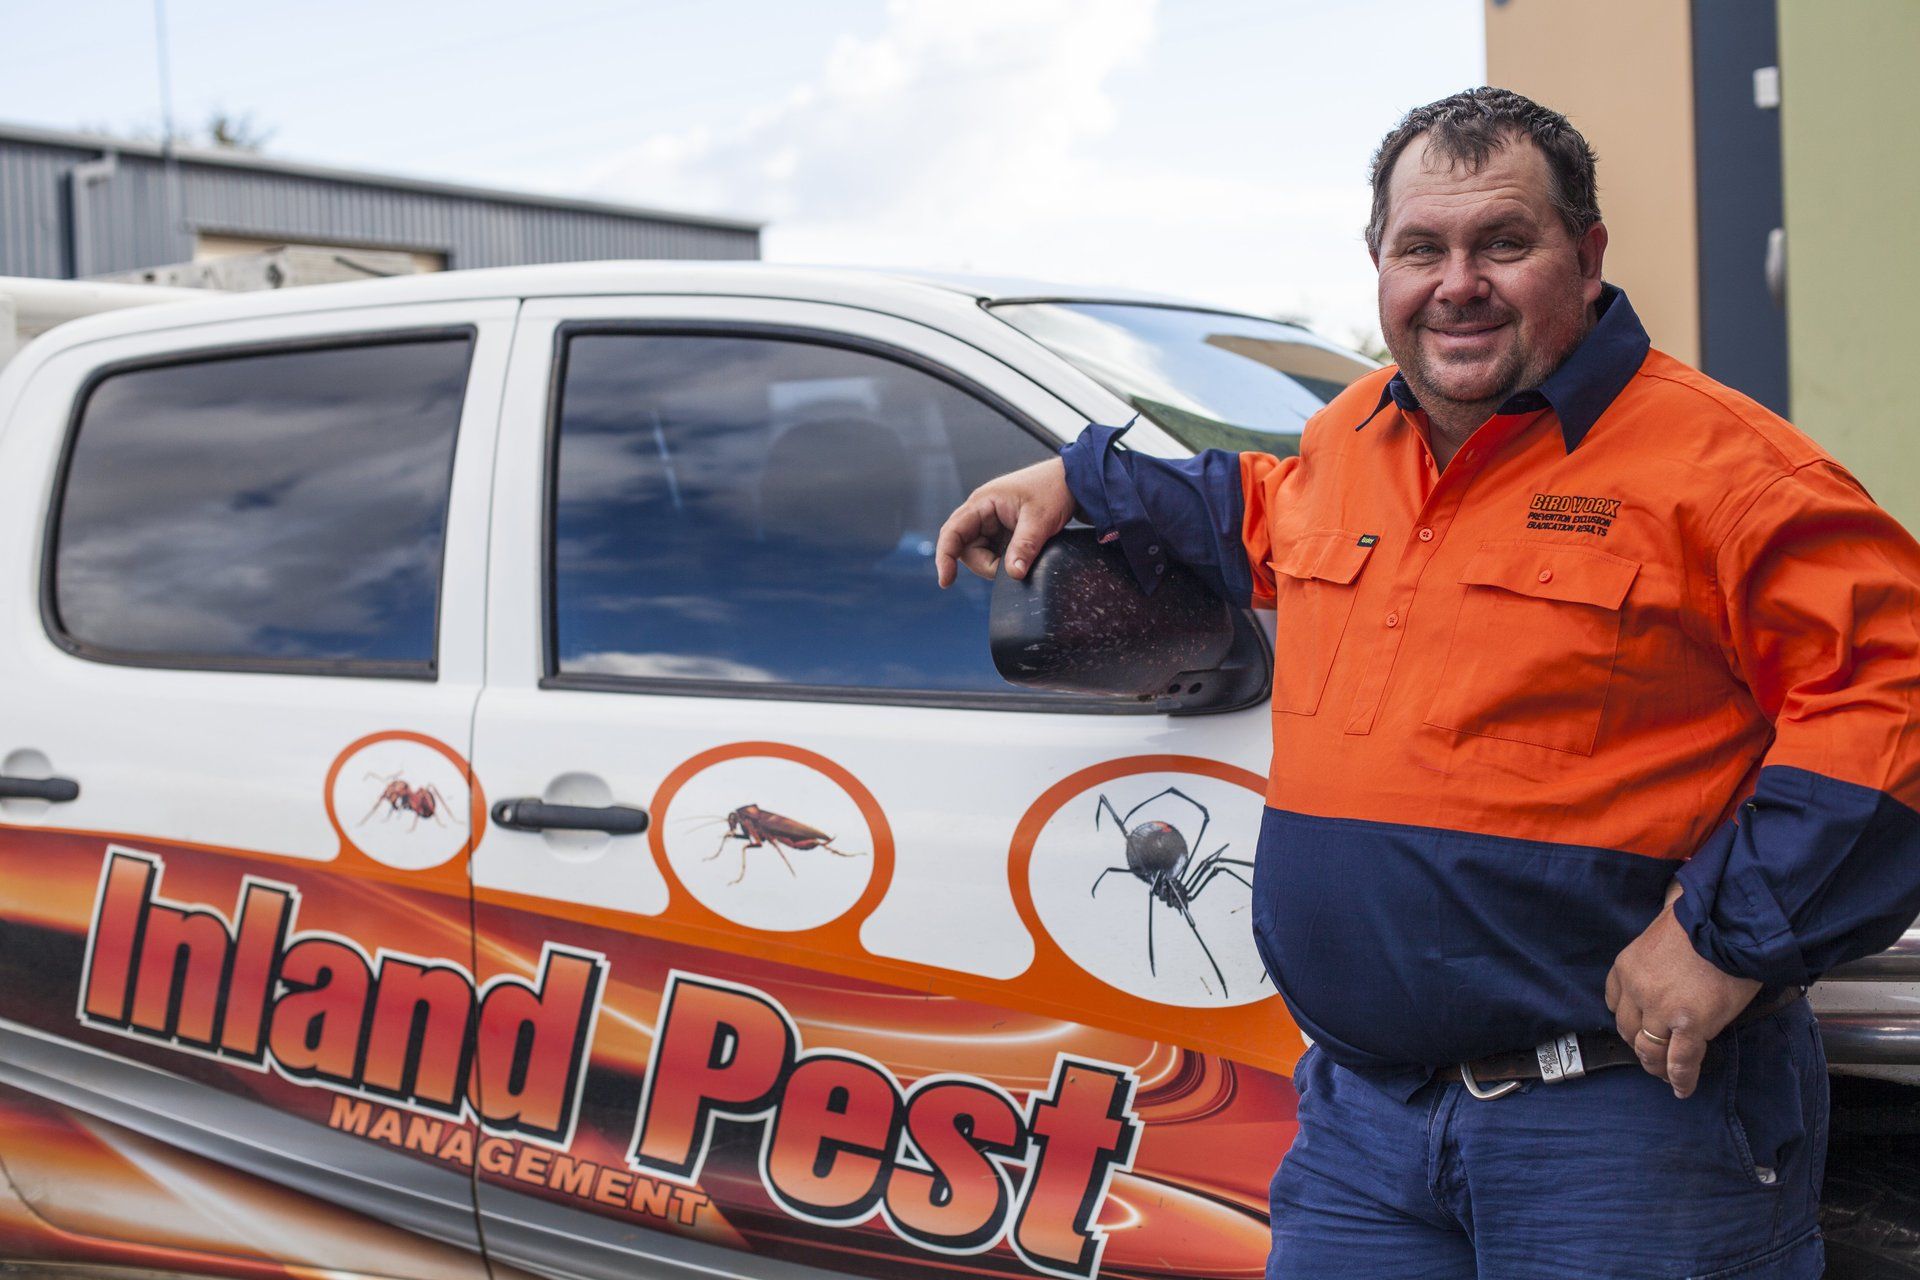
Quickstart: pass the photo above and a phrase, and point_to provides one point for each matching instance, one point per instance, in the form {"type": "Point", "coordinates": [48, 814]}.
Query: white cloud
{"type": "Point", "coordinates": [967, 134]}
{"type": "Point", "coordinates": [666, 666]}
{"type": "Point", "coordinates": [958, 111]}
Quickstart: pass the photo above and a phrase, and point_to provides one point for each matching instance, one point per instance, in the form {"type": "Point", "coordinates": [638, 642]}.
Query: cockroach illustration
{"type": "Point", "coordinates": [759, 827]}
{"type": "Point", "coordinates": [399, 797]}
{"type": "Point", "coordinates": [1160, 857]}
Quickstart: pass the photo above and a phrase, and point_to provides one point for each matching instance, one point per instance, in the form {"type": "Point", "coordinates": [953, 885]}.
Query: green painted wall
{"type": "Point", "coordinates": [1850, 142]}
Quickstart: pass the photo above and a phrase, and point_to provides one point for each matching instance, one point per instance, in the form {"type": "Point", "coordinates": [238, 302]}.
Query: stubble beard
{"type": "Point", "coordinates": [1520, 367]}
{"type": "Point", "coordinates": [1511, 373]}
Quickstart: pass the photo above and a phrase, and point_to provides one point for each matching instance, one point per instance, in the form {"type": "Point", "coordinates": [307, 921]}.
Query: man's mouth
{"type": "Point", "coordinates": [1466, 330]}
{"type": "Point", "coordinates": [1468, 340]}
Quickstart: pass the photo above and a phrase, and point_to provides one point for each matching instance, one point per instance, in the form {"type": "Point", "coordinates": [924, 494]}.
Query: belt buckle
{"type": "Point", "coordinates": [1480, 1091]}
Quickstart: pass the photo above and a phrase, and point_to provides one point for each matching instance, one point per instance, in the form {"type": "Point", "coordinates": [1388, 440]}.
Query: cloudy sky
{"type": "Point", "coordinates": [1212, 148]}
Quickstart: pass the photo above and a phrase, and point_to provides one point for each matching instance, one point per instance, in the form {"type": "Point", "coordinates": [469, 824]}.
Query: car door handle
{"type": "Point", "coordinates": [56, 790]}
{"type": "Point", "coordinates": [528, 814]}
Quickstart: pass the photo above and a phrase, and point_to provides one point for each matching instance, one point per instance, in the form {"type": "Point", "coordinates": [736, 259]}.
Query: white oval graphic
{"type": "Point", "coordinates": [769, 843]}
{"type": "Point", "coordinates": [402, 803]}
{"type": "Point", "coordinates": [1145, 882]}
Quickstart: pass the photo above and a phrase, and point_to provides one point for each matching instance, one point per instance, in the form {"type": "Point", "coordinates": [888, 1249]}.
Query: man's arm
{"type": "Point", "coordinates": [1207, 512]}
{"type": "Point", "coordinates": [1821, 597]}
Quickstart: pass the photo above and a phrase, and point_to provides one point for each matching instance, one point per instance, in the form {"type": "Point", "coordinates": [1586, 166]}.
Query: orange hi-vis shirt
{"type": "Point", "coordinates": [1638, 625]}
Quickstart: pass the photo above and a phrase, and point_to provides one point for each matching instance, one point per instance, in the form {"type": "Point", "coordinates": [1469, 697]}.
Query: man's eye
{"type": "Point", "coordinates": [1421, 251]}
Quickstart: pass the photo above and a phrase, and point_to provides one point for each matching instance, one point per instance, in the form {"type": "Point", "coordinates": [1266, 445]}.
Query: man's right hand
{"type": "Point", "coordinates": [1019, 511]}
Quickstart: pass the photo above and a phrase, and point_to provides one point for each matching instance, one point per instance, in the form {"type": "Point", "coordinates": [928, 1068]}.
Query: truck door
{"type": "Point", "coordinates": [243, 568]}
{"type": "Point", "coordinates": [827, 950]}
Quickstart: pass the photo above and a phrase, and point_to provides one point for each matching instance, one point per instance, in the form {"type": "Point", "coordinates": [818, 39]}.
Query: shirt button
{"type": "Point", "coordinates": [1393, 620]}
{"type": "Point", "coordinates": [1154, 550]}
{"type": "Point", "coordinates": [1426, 535]}
{"type": "Point", "coordinates": [1546, 575]}
{"type": "Point", "coordinates": [1159, 568]}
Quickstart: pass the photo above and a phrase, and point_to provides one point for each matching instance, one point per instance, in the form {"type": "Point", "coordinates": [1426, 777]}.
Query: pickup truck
{"type": "Point", "coordinates": [488, 787]}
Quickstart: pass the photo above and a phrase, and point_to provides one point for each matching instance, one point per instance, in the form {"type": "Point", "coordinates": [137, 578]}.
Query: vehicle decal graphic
{"type": "Point", "coordinates": [320, 1010]}
{"type": "Point", "coordinates": [401, 796]}
{"type": "Point", "coordinates": [749, 875]}
{"type": "Point", "coordinates": [606, 1079]}
{"type": "Point", "coordinates": [404, 801]}
{"type": "Point", "coordinates": [1137, 873]}
{"type": "Point", "coordinates": [536, 1166]}
{"type": "Point", "coordinates": [833, 1123]}
{"type": "Point", "coordinates": [1161, 858]}
{"type": "Point", "coordinates": [762, 828]}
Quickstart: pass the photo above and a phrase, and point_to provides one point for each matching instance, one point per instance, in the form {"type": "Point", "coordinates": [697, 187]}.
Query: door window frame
{"type": "Point", "coordinates": [1013, 699]}
{"type": "Point", "coordinates": [377, 668]}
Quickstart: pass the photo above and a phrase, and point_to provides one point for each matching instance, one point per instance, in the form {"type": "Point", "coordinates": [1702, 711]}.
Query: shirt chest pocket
{"type": "Point", "coordinates": [1534, 645]}
{"type": "Point", "coordinates": [1314, 585]}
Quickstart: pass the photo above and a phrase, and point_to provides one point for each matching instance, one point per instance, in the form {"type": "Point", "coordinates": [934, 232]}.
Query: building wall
{"type": "Point", "coordinates": [1622, 72]}
{"type": "Point", "coordinates": [148, 213]}
{"type": "Point", "coordinates": [1848, 103]}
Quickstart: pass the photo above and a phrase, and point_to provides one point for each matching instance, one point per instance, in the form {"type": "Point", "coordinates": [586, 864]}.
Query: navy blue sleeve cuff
{"type": "Point", "coordinates": [1740, 936]}
{"type": "Point", "coordinates": [1104, 490]}
{"type": "Point", "coordinates": [1164, 511]}
{"type": "Point", "coordinates": [1816, 872]}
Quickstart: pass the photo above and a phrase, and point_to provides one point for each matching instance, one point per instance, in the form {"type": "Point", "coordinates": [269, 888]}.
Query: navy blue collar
{"type": "Point", "coordinates": [1586, 382]}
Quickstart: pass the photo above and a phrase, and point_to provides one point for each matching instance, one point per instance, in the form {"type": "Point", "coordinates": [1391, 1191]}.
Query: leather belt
{"type": "Point", "coordinates": [1575, 1054]}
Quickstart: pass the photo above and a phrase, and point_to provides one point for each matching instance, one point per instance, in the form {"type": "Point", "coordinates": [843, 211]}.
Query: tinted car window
{"type": "Point", "coordinates": [1214, 381]}
{"type": "Point", "coordinates": [762, 511]}
{"type": "Point", "coordinates": [285, 509]}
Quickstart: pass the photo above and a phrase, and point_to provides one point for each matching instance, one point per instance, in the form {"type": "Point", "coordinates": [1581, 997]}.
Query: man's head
{"type": "Point", "coordinates": [1487, 233]}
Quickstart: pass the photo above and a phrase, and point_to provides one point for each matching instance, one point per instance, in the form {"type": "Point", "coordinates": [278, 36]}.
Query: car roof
{"type": "Point", "coordinates": [930, 296]}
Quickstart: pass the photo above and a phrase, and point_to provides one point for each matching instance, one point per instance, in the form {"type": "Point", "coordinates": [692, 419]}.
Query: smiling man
{"type": "Point", "coordinates": [1596, 739]}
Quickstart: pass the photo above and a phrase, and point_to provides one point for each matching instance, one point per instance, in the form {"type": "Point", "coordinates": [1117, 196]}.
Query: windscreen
{"type": "Point", "coordinates": [1211, 380]}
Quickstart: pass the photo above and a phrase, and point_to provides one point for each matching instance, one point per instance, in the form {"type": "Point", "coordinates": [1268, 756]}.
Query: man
{"type": "Point", "coordinates": [1595, 707]}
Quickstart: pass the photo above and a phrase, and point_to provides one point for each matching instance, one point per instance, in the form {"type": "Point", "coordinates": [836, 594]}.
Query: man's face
{"type": "Point", "coordinates": [1483, 291]}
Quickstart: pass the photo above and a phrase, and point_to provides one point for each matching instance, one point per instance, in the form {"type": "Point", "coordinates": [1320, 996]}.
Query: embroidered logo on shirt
{"type": "Point", "coordinates": [1572, 513]}
{"type": "Point", "coordinates": [1367, 539]}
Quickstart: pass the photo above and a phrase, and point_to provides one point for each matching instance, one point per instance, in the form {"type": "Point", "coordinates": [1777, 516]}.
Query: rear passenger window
{"type": "Point", "coordinates": [280, 510]}
{"type": "Point", "coordinates": [748, 511]}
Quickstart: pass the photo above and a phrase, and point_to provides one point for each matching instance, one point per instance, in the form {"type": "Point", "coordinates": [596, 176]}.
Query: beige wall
{"type": "Point", "coordinates": [1622, 71]}
{"type": "Point", "coordinates": [211, 245]}
{"type": "Point", "coordinates": [1848, 106]}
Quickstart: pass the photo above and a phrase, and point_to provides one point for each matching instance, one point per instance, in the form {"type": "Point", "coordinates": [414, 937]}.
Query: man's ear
{"type": "Point", "coordinates": [1591, 248]}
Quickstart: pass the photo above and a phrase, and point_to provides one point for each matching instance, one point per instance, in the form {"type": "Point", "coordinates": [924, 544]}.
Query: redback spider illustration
{"type": "Point", "coordinates": [1160, 857]}
{"type": "Point", "coordinates": [422, 802]}
{"type": "Point", "coordinates": [759, 827]}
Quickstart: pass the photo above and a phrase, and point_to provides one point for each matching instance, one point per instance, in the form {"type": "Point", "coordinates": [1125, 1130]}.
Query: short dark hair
{"type": "Point", "coordinates": [1469, 127]}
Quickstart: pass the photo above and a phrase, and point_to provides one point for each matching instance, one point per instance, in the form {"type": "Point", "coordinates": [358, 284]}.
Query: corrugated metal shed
{"type": "Point", "coordinates": [73, 205]}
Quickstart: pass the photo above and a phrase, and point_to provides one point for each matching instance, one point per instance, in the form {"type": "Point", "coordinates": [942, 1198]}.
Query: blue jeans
{"type": "Point", "coordinates": [1609, 1176]}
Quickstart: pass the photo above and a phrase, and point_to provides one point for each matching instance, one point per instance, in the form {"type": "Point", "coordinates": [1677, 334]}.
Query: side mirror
{"type": "Point", "coordinates": [1079, 623]}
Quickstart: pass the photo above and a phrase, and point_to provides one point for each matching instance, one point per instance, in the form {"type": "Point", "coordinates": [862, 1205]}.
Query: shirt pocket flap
{"type": "Point", "coordinates": [1329, 555]}
{"type": "Point", "coordinates": [1548, 572]}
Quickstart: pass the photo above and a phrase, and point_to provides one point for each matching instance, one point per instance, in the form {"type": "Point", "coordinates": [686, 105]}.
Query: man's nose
{"type": "Point", "coordinates": [1461, 280]}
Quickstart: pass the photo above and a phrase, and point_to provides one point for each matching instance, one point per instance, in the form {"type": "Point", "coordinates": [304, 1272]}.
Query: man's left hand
{"type": "Point", "coordinates": [1661, 990]}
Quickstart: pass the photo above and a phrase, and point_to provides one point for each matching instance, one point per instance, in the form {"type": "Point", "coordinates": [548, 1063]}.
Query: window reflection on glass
{"type": "Point", "coordinates": [759, 510]}
{"type": "Point", "coordinates": [287, 507]}
{"type": "Point", "coordinates": [1214, 381]}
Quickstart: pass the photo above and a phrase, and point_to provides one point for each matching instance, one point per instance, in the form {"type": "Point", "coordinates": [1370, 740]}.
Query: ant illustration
{"type": "Point", "coordinates": [1160, 857]}
{"type": "Point", "coordinates": [760, 827]}
{"type": "Point", "coordinates": [421, 802]}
